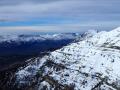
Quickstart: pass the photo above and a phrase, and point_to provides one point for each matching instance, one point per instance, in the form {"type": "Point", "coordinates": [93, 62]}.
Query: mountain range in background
{"type": "Point", "coordinates": [18, 48]}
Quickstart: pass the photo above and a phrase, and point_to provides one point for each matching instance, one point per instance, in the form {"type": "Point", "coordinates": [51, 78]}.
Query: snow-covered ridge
{"type": "Point", "coordinates": [91, 64]}
{"type": "Point", "coordinates": [61, 36]}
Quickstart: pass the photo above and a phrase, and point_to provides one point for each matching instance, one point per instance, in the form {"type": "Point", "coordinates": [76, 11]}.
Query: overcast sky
{"type": "Point", "coordinates": [59, 15]}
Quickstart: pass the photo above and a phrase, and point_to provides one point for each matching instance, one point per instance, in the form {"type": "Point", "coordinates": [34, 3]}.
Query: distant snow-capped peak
{"type": "Point", "coordinates": [9, 38]}
{"type": "Point", "coordinates": [86, 35]}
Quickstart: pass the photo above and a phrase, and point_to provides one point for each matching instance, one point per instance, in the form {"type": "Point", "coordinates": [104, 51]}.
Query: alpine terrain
{"type": "Point", "coordinates": [90, 64]}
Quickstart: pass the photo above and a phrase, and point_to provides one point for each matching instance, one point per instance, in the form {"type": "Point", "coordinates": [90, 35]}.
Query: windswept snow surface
{"type": "Point", "coordinates": [91, 64]}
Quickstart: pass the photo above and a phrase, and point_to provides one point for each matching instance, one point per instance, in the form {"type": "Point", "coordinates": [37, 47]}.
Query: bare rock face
{"type": "Point", "coordinates": [90, 64]}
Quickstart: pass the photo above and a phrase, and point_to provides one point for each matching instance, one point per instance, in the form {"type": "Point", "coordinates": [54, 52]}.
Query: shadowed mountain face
{"type": "Point", "coordinates": [31, 47]}
{"type": "Point", "coordinates": [16, 49]}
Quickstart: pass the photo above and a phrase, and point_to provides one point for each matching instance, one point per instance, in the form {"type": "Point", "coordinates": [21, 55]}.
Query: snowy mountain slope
{"type": "Point", "coordinates": [91, 64]}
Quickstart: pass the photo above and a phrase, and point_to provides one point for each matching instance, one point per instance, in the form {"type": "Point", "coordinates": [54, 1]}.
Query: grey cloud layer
{"type": "Point", "coordinates": [66, 28]}
{"type": "Point", "coordinates": [68, 8]}
{"type": "Point", "coordinates": [16, 2]}
{"type": "Point", "coordinates": [94, 12]}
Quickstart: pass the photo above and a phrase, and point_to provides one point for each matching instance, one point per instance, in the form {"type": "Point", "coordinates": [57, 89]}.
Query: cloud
{"type": "Point", "coordinates": [16, 2]}
{"type": "Point", "coordinates": [85, 12]}
{"type": "Point", "coordinates": [62, 8]}
{"type": "Point", "coordinates": [44, 28]}
{"type": "Point", "coordinates": [64, 28]}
